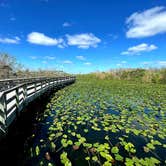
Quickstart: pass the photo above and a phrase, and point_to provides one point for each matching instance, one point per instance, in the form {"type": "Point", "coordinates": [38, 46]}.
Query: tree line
{"type": "Point", "coordinates": [11, 68]}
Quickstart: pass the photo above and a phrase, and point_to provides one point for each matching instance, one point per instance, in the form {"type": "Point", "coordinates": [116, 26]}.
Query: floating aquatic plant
{"type": "Point", "coordinates": [64, 159]}
{"type": "Point", "coordinates": [105, 123]}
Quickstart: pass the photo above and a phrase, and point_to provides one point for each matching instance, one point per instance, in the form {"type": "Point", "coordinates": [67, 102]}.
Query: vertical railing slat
{"type": "Point", "coordinates": [3, 111]}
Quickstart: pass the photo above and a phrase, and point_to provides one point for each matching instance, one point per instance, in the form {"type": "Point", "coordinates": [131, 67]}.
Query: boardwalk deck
{"type": "Point", "coordinates": [18, 95]}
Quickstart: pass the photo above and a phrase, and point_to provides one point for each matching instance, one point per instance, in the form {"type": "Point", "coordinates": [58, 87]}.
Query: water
{"type": "Point", "coordinates": [13, 146]}
{"type": "Point", "coordinates": [13, 149]}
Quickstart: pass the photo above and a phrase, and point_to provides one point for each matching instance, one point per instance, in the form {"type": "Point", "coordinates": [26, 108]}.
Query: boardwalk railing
{"type": "Point", "coordinates": [14, 99]}
{"type": "Point", "coordinates": [9, 83]}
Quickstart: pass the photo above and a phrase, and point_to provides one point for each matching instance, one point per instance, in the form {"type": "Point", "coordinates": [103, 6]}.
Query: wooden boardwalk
{"type": "Point", "coordinates": [15, 94]}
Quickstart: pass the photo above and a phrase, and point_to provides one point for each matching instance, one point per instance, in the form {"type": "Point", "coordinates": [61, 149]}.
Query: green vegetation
{"type": "Point", "coordinates": [104, 122]}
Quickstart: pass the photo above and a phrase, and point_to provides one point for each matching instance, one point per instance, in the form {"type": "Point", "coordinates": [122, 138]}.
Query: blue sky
{"type": "Point", "coordinates": [81, 36]}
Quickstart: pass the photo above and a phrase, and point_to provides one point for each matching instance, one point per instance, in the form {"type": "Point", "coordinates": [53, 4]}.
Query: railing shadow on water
{"type": "Point", "coordinates": [13, 144]}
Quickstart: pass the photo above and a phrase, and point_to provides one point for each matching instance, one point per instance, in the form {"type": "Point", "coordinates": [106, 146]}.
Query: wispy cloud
{"type": "Point", "coordinates": [88, 63]}
{"type": "Point", "coordinates": [66, 24]}
{"type": "Point", "coordinates": [42, 39]}
{"type": "Point", "coordinates": [113, 36]}
{"type": "Point", "coordinates": [162, 63]}
{"type": "Point", "coordinates": [33, 57]}
{"type": "Point", "coordinates": [67, 62]}
{"type": "Point", "coordinates": [4, 3]}
{"type": "Point", "coordinates": [82, 58]}
{"type": "Point", "coordinates": [44, 62]}
{"type": "Point", "coordinates": [14, 40]}
{"type": "Point", "coordinates": [158, 63]}
{"type": "Point", "coordinates": [136, 50]}
{"type": "Point", "coordinates": [148, 23]}
{"type": "Point", "coordinates": [50, 57]}
{"type": "Point", "coordinates": [121, 64]}
{"type": "Point", "coordinates": [44, 1]}
{"type": "Point", "coordinates": [84, 40]}
{"type": "Point", "coordinates": [12, 18]}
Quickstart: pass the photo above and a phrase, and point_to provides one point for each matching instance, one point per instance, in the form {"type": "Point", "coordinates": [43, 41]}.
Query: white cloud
{"type": "Point", "coordinates": [136, 50]}
{"type": "Point", "coordinates": [66, 24]}
{"type": "Point", "coordinates": [42, 39]}
{"type": "Point", "coordinates": [67, 62]}
{"type": "Point", "coordinates": [82, 58]}
{"type": "Point", "coordinates": [10, 40]}
{"type": "Point", "coordinates": [148, 23]}
{"type": "Point", "coordinates": [88, 63]}
{"type": "Point", "coordinates": [84, 40]}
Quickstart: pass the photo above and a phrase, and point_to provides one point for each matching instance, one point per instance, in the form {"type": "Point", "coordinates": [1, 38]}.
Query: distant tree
{"type": "Point", "coordinates": [8, 60]}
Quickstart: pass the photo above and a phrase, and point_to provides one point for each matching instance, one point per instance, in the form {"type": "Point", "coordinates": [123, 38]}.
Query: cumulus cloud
{"type": "Point", "coordinates": [42, 39]}
{"type": "Point", "coordinates": [82, 58]}
{"type": "Point", "coordinates": [66, 24]}
{"type": "Point", "coordinates": [84, 40]}
{"type": "Point", "coordinates": [136, 50]}
{"type": "Point", "coordinates": [10, 40]}
{"type": "Point", "coordinates": [67, 62]}
{"type": "Point", "coordinates": [147, 23]}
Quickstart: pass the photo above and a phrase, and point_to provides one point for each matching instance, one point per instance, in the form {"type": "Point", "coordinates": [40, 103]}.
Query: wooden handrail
{"type": "Point", "coordinates": [14, 99]}
{"type": "Point", "coordinates": [9, 83]}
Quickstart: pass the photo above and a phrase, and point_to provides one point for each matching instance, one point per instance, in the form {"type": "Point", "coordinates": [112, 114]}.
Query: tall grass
{"type": "Point", "coordinates": [141, 75]}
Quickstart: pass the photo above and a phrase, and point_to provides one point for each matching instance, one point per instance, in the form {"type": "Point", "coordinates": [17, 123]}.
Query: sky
{"type": "Point", "coordinates": [82, 36]}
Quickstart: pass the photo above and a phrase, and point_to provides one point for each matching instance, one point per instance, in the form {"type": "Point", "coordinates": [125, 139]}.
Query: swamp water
{"type": "Point", "coordinates": [101, 123]}
{"type": "Point", "coordinates": [94, 123]}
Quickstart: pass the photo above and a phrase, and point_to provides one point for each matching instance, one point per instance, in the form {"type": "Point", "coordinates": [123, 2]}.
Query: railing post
{"type": "Point", "coordinates": [25, 91]}
{"type": "Point", "coordinates": [17, 101]}
{"type": "Point", "coordinates": [3, 112]}
{"type": "Point", "coordinates": [35, 87]}
{"type": "Point", "coordinates": [41, 84]}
